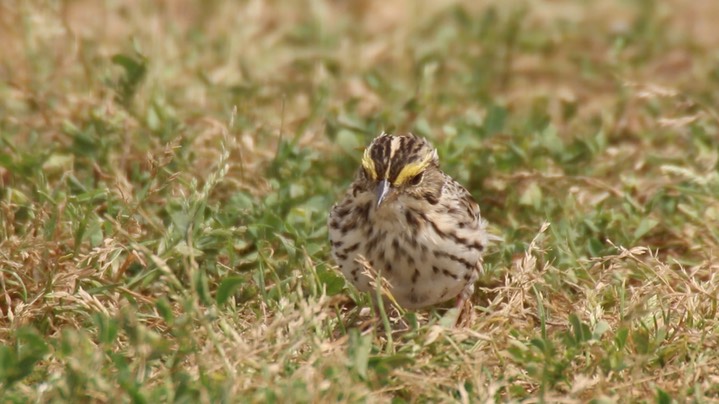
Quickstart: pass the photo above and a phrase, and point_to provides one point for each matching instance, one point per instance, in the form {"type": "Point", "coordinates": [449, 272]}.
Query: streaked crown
{"type": "Point", "coordinates": [398, 159]}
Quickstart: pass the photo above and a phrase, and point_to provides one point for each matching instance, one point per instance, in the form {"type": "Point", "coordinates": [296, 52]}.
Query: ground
{"type": "Point", "coordinates": [166, 170]}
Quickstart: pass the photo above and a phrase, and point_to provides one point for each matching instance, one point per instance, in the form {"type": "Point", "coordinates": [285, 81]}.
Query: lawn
{"type": "Point", "coordinates": [167, 167]}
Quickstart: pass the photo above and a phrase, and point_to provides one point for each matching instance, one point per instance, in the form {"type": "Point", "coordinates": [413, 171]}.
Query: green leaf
{"type": "Point", "coordinates": [494, 122]}
{"type": "Point", "coordinates": [645, 226]}
{"type": "Point", "coordinates": [539, 344]}
{"type": "Point", "coordinates": [551, 140]}
{"type": "Point", "coordinates": [621, 338]}
{"type": "Point", "coordinates": [580, 329]}
{"type": "Point", "coordinates": [599, 329]}
{"type": "Point", "coordinates": [202, 287]}
{"type": "Point", "coordinates": [449, 319]}
{"type": "Point", "coordinates": [641, 341]}
{"type": "Point", "coordinates": [134, 72]}
{"type": "Point", "coordinates": [348, 142]}
{"type": "Point", "coordinates": [359, 350]}
{"type": "Point", "coordinates": [18, 362]}
{"type": "Point", "coordinates": [187, 251]}
{"type": "Point", "coordinates": [58, 163]}
{"type": "Point", "coordinates": [531, 196]}
{"type": "Point", "coordinates": [384, 365]}
{"type": "Point", "coordinates": [165, 310]}
{"type": "Point", "coordinates": [227, 288]}
{"type": "Point", "coordinates": [663, 397]}
{"type": "Point", "coordinates": [107, 328]}
{"type": "Point", "coordinates": [334, 283]}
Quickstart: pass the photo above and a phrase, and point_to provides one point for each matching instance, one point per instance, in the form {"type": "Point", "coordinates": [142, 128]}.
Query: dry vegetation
{"type": "Point", "coordinates": [166, 168]}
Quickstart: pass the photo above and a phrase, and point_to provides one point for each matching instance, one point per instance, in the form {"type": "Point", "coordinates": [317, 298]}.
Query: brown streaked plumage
{"type": "Point", "coordinates": [410, 222]}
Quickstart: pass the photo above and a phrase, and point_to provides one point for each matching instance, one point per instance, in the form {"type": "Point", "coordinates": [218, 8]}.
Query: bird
{"type": "Point", "coordinates": [406, 220]}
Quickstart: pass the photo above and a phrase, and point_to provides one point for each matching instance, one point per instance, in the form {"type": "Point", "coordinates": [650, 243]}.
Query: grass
{"type": "Point", "coordinates": [166, 169]}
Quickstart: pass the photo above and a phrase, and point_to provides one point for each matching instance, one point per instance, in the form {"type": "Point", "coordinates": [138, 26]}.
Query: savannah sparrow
{"type": "Point", "coordinates": [405, 219]}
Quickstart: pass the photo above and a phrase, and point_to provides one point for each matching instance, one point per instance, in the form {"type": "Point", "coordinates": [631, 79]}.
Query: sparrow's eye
{"type": "Point", "coordinates": [416, 179]}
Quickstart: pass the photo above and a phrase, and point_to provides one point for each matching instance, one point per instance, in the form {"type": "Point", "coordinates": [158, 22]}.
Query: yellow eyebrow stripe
{"type": "Point", "coordinates": [368, 164]}
{"type": "Point", "coordinates": [412, 169]}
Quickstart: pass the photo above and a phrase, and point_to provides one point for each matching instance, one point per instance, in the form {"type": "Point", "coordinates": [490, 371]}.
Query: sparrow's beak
{"type": "Point", "coordinates": [382, 191]}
